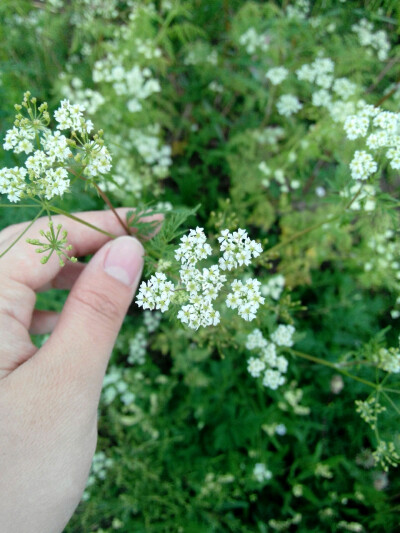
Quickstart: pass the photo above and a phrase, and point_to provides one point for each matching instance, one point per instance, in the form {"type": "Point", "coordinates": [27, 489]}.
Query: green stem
{"type": "Point", "coordinates": [91, 226]}
{"type": "Point", "coordinates": [332, 365]}
{"type": "Point", "coordinates": [391, 402]}
{"type": "Point", "coordinates": [23, 233]}
{"type": "Point", "coordinates": [17, 205]}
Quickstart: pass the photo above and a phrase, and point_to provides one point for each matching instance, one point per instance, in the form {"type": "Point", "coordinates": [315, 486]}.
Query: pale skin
{"type": "Point", "coordinates": [49, 396]}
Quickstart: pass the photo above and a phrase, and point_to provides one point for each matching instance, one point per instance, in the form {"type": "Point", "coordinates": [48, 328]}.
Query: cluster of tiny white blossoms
{"type": "Point", "coordinates": [133, 174]}
{"type": "Point", "coordinates": [135, 83]}
{"type": "Point", "coordinates": [298, 10]}
{"type": "Point", "coordinates": [253, 41]}
{"type": "Point", "coordinates": [383, 256]}
{"type": "Point", "coordinates": [100, 464]}
{"type": "Point", "coordinates": [274, 287]}
{"type": "Point", "coordinates": [138, 343]}
{"type": "Point", "coordinates": [86, 97]}
{"type": "Point", "coordinates": [377, 41]}
{"type": "Point", "coordinates": [388, 359]}
{"type": "Point", "coordinates": [261, 473]}
{"type": "Point", "coordinates": [268, 364]}
{"type": "Point", "coordinates": [362, 165]}
{"type": "Point", "coordinates": [288, 104]}
{"type": "Point", "coordinates": [200, 288]}
{"type": "Point", "coordinates": [319, 72]}
{"type": "Point", "coordinates": [381, 130]}
{"type": "Point", "coordinates": [114, 385]}
{"type": "Point", "coordinates": [276, 75]}
{"type": "Point", "coordinates": [46, 170]}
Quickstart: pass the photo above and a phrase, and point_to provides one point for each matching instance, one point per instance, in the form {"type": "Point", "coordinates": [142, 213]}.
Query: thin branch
{"type": "Point", "coordinates": [73, 217]}
{"type": "Point", "coordinates": [382, 74]}
{"type": "Point", "coordinates": [23, 233]}
{"type": "Point", "coordinates": [332, 365]}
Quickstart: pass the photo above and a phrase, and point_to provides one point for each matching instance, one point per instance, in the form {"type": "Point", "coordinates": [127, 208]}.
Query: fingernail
{"type": "Point", "coordinates": [124, 260]}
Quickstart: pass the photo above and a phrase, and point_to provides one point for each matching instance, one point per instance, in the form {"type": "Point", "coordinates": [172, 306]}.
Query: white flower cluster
{"type": "Point", "coordinates": [274, 287]}
{"type": "Point", "coordinates": [384, 257]}
{"type": "Point", "coordinates": [319, 72]}
{"type": "Point", "coordinates": [135, 83]}
{"type": "Point", "coordinates": [97, 159]}
{"type": "Point", "coordinates": [89, 99]}
{"type": "Point", "coordinates": [377, 41]}
{"type": "Point", "coordinates": [389, 360]}
{"type": "Point", "coordinates": [268, 363]}
{"type": "Point", "coordinates": [114, 385]}
{"type": "Point", "coordinates": [261, 473]}
{"type": "Point", "coordinates": [253, 41]}
{"type": "Point", "coordinates": [148, 144]}
{"type": "Point", "coordinates": [70, 117]}
{"type": "Point", "coordinates": [137, 348]}
{"type": "Point", "coordinates": [138, 343]}
{"type": "Point", "coordinates": [133, 174]}
{"type": "Point", "coordinates": [237, 248]}
{"type": "Point", "coordinates": [46, 167]}
{"type": "Point", "coordinates": [384, 133]}
{"type": "Point", "coordinates": [276, 75]}
{"type": "Point", "coordinates": [362, 165]}
{"type": "Point", "coordinates": [146, 48]}
{"type": "Point", "coordinates": [344, 88]}
{"type": "Point", "coordinates": [19, 139]}
{"type": "Point", "coordinates": [246, 298]}
{"type": "Point", "coordinates": [200, 288]}
{"type": "Point", "coordinates": [299, 10]}
{"type": "Point", "coordinates": [100, 464]}
{"type": "Point", "coordinates": [282, 336]}
{"type": "Point", "coordinates": [288, 104]}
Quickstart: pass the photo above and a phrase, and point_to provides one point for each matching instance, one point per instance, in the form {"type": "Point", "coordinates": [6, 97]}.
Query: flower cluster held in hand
{"type": "Point", "coordinates": [198, 288]}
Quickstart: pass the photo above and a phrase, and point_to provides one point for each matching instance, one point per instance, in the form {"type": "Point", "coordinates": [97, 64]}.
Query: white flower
{"type": "Point", "coordinates": [262, 167]}
{"type": "Point", "coordinates": [253, 41]}
{"type": "Point", "coordinates": [274, 287]}
{"type": "Point", "coordinates": [268, 354]}
{"type": "Point", "coordinates": [273, 379]}
{"type": "Point", "coordinates": [280, 429]}
{"type": "Point", "coordinates": [98, 159]}
{"type": "Point", "coordinates": [261, 473]}
{"type": "Point", "coordinates": [362, 165]}
{"type": "Point", "coordinates": [12, 182]}
{"type": "Point", "coordinates": [344, 88]}
{"type": "Point", "coordinates": [237, 248]}
{"type": "Point", "coordinates": [288, 104]}
{"type": "Point", "coordinates": [321, 98]}
{"type": "Point", "coordinates": [70, 117]}
{"type": "Point", "coordinates": [282, 336]}
{"type": "Point", "coordinates": [255, 366]}
{"type": "Point", "coordinates": [255, 340]}
{"type": "Point", "coordinates": [356, 126]}
{"type": "Point", "coordinates": [276, 75]}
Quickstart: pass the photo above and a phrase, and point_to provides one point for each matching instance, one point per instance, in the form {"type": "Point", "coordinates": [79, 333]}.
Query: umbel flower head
{"type": "Point", "coordinates": [198, 288]}
{"type": "Point", "coordinates": [52, 157]}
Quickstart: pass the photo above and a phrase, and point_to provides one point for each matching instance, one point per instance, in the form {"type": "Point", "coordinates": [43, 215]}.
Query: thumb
{"type": "Point", "coordinates": [84, 336]}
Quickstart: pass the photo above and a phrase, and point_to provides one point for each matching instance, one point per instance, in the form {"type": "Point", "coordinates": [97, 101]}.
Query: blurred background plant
{"type": "Point", "coordinates": [271, 116]}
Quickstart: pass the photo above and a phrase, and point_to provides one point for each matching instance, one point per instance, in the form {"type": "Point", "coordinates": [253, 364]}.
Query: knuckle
{"type": "Point", "coordinates": [99, 303]}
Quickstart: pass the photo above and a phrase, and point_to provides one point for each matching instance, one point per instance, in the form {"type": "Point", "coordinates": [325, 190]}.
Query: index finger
{"type": "Point", "coordinates": [22, 263]}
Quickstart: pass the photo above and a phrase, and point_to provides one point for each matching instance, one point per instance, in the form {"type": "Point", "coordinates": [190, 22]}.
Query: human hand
{"type": "Point", "coordinates": [49, 396]}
